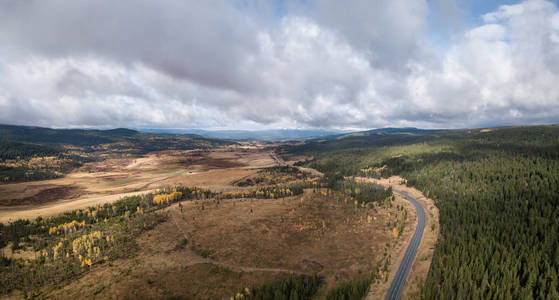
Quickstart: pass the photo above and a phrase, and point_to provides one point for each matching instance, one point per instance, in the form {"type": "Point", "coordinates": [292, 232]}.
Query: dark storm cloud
{"type": "Point", "coordinates": [203, 41]}
{"type": "Point", "coordinates": [251, 64]}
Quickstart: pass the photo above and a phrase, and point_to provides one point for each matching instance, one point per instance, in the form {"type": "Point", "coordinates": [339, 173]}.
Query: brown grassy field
{"type": "Point", "coordinates": [106, 181]}
{"type": "Point", "coordinates": [237, 243]}
{"type": "Point", "coordinates": [214, 248]}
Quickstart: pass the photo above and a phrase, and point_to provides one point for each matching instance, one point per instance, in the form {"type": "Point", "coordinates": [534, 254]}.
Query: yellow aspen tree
{"type": "Point", "coordinates": [395, 232]}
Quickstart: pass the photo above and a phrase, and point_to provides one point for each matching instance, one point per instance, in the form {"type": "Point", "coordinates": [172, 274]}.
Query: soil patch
{"type": "Point", "coordinates": [46, 196]}
{"type": "Point", "coordinates": [213, 163]}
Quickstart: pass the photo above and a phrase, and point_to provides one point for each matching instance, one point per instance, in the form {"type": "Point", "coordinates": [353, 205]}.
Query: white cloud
{"type": "Point", "coordinates": [504, 12]}
{"type": "Point", "coordinates": [489, 32]}
{"type": "Point", "coordinates": [322, 64]}
{"type": "Point", "coordinates": [499, 73]}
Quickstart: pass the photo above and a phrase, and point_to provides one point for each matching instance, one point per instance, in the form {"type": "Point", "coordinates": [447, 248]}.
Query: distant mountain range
{"type": "Point", "coordinates": [89, 137]}
{"type": "Point", "coordinates": [96, 137]}
{"type": "Point", "coordinates": [264, 135]}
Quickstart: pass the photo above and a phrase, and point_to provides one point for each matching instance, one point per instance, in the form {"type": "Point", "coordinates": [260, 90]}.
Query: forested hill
{"type": "Point", "coordinates": [16, 150]}
{"type": "Point", "coordinates": [366, 139]}
{"type": "Point", "coordinates": [94, 137]}
{"type": "Point", "coordinates": [35, 153]}
{"type": "Point", "coordinates": [497, 191]}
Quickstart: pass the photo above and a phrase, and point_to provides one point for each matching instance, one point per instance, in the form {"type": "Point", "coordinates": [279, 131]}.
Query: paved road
{"type": "Point", "coordinates": [400, 279]}
{"type": "Point", "coordinates": [280, 162]}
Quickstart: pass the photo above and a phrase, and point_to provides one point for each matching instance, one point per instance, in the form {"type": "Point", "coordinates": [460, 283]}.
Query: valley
{"type": "Point", "coordinates": [108, 180]}
{"type": "Point", "coordinates": [234, 220]}
{"type": "Point", "coordinates": [321, 219]}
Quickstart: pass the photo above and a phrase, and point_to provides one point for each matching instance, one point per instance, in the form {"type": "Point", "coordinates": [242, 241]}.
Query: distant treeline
{"type": "Point", "coordinates": [121, 137]}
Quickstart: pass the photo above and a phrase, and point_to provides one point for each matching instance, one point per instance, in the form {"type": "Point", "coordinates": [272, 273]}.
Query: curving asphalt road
{"type": "Point", "coordinates": [400, 279]}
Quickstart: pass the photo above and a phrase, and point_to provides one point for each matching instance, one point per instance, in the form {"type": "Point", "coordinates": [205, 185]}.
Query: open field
{"type": "Point", "coordinates": [215, 251]}
{"type": "Point", "coordinates": [247, 223]}
{"type": "Point", "coordinates": [108, 180]}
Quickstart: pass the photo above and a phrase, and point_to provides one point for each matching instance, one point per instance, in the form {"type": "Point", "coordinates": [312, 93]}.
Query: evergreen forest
{"type": "Point", "coordinates": [497, 191]}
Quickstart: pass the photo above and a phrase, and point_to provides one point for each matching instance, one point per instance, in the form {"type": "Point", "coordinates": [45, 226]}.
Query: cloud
{"type": "Point", "coordinates": [203, 41]}
{"type": "Point", "coordinates": [387, 31]}
{"type": "Point", "coordinates": [450, 15]}
{"type": "Point", "coordinates": [313, 64]}
{"type": "Point", "coordinates": [502, 72]}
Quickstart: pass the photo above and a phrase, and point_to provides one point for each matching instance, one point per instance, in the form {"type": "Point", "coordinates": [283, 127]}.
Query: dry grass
{"type": "Point", "coordinates": [248, 243]}
{"type": "Point", "coordinates": [102, 182]}
{"type": "Point", "coordinates": [160, 269]}
{"type": "Point", "coordinates": [318, 235]}
{"type": "Point", "coordinates": [47, 195]}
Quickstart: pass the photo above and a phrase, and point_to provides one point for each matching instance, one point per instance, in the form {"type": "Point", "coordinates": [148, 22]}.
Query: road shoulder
{"type": "Point", "coordinates": [424, 256]}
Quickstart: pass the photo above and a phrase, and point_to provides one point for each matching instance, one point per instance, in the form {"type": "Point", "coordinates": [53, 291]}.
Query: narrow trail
{"type": "Point", "coordinates": [280, 162]}
{"type": "Point", "coordinates": [200, 260]}
{"type": "Point", "coordinates": [145, 186]}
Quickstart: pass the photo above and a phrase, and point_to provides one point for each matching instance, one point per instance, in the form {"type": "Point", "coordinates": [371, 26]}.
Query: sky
{"type": "Point", "coordinates": [291, 64]}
